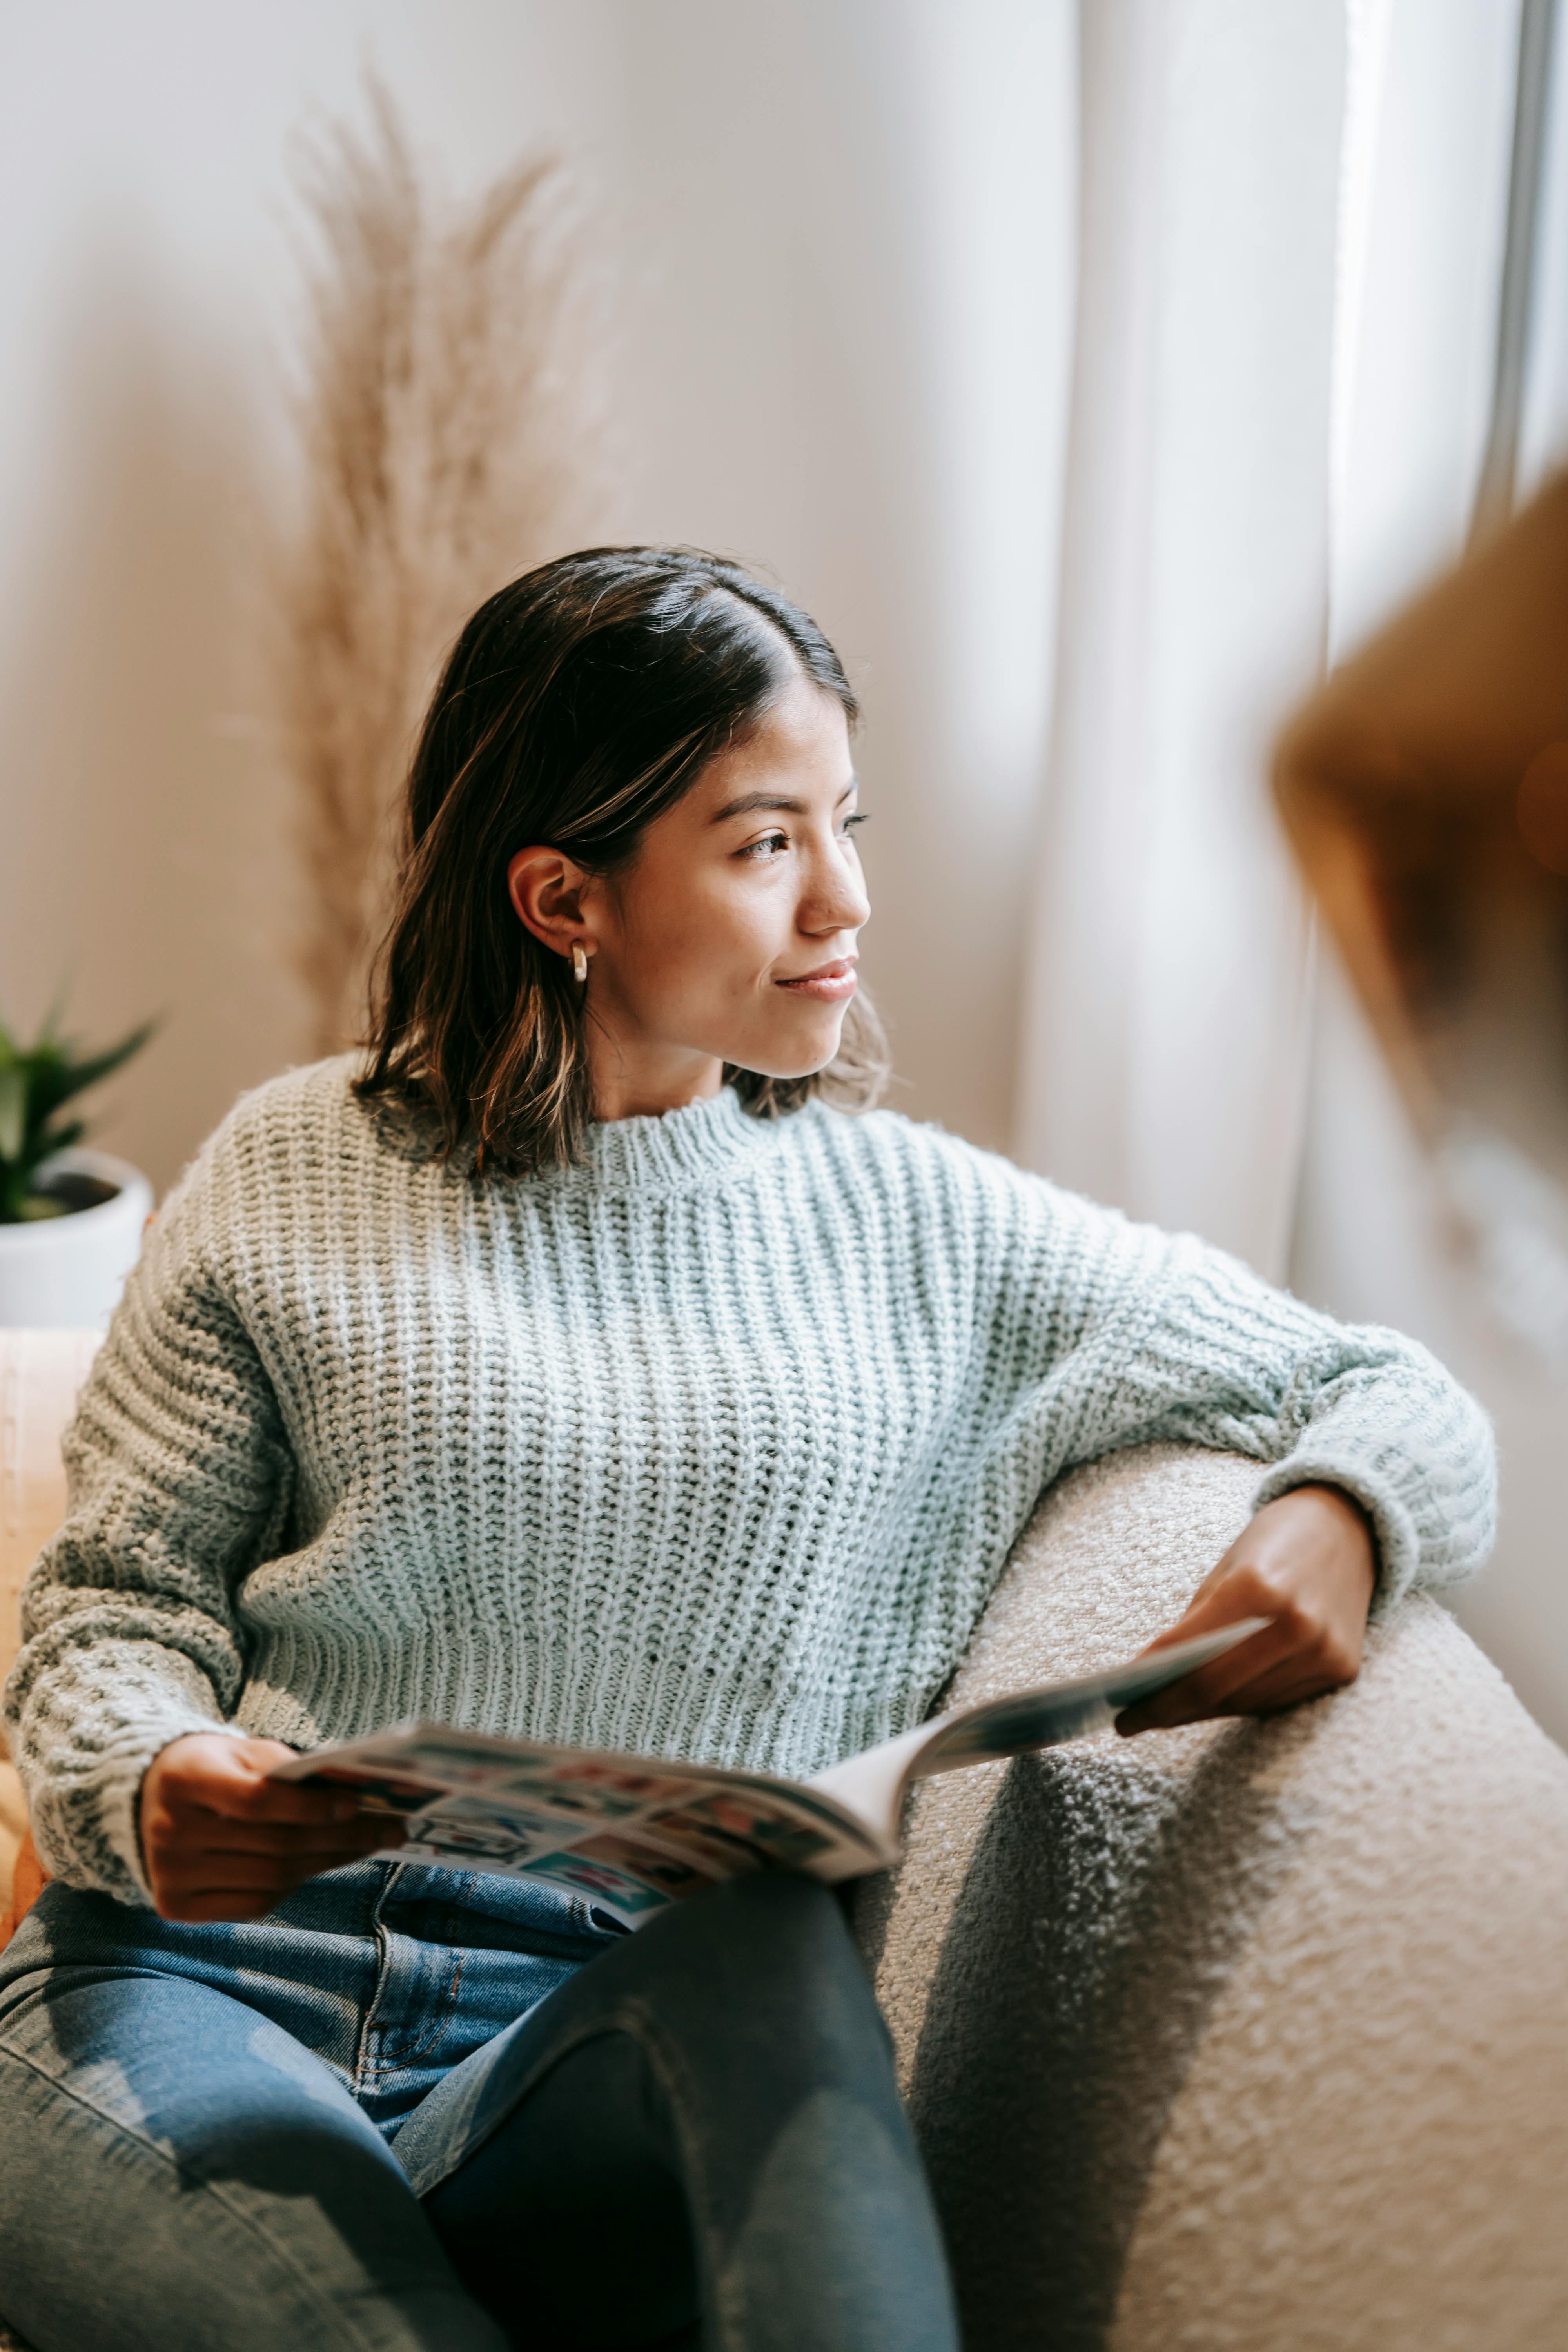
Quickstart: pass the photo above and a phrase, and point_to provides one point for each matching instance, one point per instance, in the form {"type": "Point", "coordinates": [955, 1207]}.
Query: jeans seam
{"type": "Point", "coordinates": [664, 2057]}
{"type": "Point", "coordinates": [372, 2065]}
{"type": "Point", "coordinates": [367, 2041]}
{"type": "Point", "coordinates": [377, 2068]}
{"type": "Point", "coordinates": [248, 2222]}
{"type": "Point", "coordinates": [638, 2022]}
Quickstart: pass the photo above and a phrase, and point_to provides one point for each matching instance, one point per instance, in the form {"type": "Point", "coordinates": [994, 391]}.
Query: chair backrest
{"type": "Point", "coordinates": [40, 1373]}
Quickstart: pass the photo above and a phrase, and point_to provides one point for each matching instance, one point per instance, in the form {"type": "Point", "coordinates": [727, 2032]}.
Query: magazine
{"type": "Point", "coordinates": [632, 1834]}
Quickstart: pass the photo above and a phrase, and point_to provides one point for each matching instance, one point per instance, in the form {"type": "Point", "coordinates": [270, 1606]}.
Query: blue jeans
{"type": "Point", "coordinates": [418, 2107]}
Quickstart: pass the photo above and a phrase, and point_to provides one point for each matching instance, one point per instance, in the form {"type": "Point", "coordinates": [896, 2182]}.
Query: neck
{"type": "Point", "coordinates": [647, 1082]}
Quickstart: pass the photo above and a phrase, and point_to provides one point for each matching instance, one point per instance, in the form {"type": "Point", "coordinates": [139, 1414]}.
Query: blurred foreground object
{"type": "Point", "coordinates": [1425, 791]}
{"type": "Point", "coordinates": [449, 420]}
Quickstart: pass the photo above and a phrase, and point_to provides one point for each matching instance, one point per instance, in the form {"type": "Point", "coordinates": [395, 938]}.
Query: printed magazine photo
{"type": "Point", "coordinates": [634, 1834]}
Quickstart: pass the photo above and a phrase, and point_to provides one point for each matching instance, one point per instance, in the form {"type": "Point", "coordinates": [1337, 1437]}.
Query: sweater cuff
{"type": "Point", "coordinates": [86, 1831]}
{"type": "Point", "coordinates": [1398, 1544]}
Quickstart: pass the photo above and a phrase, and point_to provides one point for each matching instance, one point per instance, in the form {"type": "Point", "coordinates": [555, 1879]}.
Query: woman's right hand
{"type": "Point", "coordinates": [220, 1841]}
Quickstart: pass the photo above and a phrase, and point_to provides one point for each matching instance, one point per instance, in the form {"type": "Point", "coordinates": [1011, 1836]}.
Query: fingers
{"type": "Point", "coordinates": [1200, 1693]}
{"type": "Point", "coordinates": [204, 1910]}
{"type": "Point", "coordinates": [212, 1772]}
{"type": "Point", "coordinates": [1216, 1603]}
{"type": "Point", "coordinates": [1287, 1685]}
{"type": "Point", "coordinates": [199, 1906]}
{"type": "Point", "coordinates": [1279, 1678]}
{"type": "Point", "coordinates": [1311, 1588]}
{"type": "Point", "coordinates": [245, 1795]}
{"type": "Point", "coordinates": [267, 1873]}
{"type": "Point", "coordinates": [278, 1801]}
{"type": "Point", "coordinates": [254, 1881]}
{"type": "Point", "coordinates": [223, 1841]}
{"type": "Point", "coordinates": [214, 1834]}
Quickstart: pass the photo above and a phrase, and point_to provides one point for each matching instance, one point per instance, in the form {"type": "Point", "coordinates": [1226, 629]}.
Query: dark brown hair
{"type": "Point", "coordinates": [578, 705]}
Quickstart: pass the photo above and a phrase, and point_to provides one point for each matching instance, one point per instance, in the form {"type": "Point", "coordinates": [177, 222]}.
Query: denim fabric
{"type": "Point", "coordinates": [402, 2112]}
{"type": "Point", "coordinates": [390, 1975]}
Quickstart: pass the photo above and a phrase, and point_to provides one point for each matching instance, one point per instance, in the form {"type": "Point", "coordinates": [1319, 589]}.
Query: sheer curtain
{"type": "Point", "coordinates": [1163, 1057]}
{"type": "Point", "coordinates": [1373, 1238]}
{"type": "Point", "coordinates": [1291, 235]}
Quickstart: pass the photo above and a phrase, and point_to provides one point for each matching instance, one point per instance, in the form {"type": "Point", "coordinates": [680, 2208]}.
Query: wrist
{"type": "Point", "coordinates": [1338, 1513]}
{"type": "Point", "coordinates": [1341, 1500]}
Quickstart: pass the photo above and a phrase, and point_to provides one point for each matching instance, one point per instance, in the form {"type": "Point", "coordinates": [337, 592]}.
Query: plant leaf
{"type": "Point", "coordinates": [60, 1140]}
{"type": "Point", "coordinates": [45, 1069]}
{"type": "Point", "coordinates": [38, 1208]}
{"type": "Point", "coordinates": [67, 1078]}
{"type": "Point", "coordinates": [12, 1111]}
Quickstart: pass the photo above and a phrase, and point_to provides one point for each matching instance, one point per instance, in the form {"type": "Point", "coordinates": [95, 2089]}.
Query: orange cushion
{"type": "Point", "coordinates": [26, 1885]}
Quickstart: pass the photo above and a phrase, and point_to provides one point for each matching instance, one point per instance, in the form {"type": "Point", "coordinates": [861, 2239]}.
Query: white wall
{"type": "Point", "coordinates": [842, 239]}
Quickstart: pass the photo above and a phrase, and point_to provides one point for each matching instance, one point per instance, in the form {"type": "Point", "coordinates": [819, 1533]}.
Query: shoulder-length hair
{"type": "Point", "coordinates": [578, 705]}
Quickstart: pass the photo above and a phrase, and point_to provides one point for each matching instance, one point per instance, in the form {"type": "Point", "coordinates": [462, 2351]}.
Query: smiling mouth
{"type": "Point", "coordinates": [831, 984]}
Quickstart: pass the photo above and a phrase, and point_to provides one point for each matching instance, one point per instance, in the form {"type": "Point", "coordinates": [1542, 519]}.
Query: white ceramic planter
{"type": "Point", "coordinates": [67, 1273]}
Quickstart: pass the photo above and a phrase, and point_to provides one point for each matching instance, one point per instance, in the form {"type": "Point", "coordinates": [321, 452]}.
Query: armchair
{"type": "Point", "coordinates": [1250, 2035]}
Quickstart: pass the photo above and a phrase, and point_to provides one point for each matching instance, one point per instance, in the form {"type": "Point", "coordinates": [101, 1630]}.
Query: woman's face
{"type": "Point", "coordinates": [731, 937]}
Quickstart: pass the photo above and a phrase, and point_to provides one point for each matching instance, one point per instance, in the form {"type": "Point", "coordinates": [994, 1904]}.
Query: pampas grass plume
{"type": "Point", "coordinates": [452, 437]}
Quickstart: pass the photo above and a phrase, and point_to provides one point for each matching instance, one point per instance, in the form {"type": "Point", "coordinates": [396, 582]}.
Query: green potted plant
{"type": "Point", "coordinates": [70, 1219]}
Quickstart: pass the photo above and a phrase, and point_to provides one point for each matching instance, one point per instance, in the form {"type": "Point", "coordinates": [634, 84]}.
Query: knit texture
{"type": "Point", "coordinates": [713, 1446]}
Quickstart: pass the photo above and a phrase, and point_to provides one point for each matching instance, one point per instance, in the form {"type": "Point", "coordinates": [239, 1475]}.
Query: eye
{"type": "Point", "coordinates": [764, 852]}
{"type": "Point", "coordinates": [851, 821]}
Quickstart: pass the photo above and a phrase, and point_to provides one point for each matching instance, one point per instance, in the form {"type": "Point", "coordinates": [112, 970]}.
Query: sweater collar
{"type": "Point", "coordinates": [701, 1143]}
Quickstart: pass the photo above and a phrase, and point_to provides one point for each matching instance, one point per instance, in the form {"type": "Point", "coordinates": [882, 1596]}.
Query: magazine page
{"type": "Point", "coordinates": [629, 1833]}
{"type": "Point", "coordinates": [1041, 1718]}
{"type": "Point", "coordinates": [873, 1786]}
{"type": "Point", "coordinates": [633, 1834]}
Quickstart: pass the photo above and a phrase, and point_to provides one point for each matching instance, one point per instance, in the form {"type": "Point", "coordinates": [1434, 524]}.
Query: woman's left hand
{"type": "Point", "coordinates": [1306, 1562]}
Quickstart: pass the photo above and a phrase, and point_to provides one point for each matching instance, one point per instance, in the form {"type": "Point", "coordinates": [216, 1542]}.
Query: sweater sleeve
{"type": "Point", "coordinates": [179, 1483]}
{"type": "Point", "coordinates": [1140, 1335]}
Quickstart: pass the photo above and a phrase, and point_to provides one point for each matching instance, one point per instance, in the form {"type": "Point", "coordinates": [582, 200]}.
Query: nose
{"type": "Point", "coordinates": [837, 901]}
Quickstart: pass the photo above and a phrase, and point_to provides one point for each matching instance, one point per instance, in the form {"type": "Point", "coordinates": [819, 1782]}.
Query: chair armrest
{"type": "Point", "coordinates": [1260, 2023]}
{"type": "Point", "coordinates": [40, 1374]}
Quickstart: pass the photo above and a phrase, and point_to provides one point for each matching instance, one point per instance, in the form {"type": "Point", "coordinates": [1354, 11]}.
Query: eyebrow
{"type": "Point", "coordinates": [749, 803]}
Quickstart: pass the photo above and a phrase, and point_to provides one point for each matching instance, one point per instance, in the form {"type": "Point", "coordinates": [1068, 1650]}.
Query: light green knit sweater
{"type": "Point", "coordinates": [714, 1446]}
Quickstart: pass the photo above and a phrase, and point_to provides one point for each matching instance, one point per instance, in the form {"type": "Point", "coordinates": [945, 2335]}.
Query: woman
{"type": "Point", "coordinates": [581, 1366]}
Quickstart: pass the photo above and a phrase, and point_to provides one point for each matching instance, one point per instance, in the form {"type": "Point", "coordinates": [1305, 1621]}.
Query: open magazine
{"type": "Point", "coordinates": [632, 1834]}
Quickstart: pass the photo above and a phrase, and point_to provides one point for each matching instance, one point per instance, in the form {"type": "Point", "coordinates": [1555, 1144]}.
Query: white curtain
{"type": "Point", "coordinates": [1163, 1058]}
{"type": "Point", "coordinates": [1290, 250]}
{"type": "Point", "coordinates": [1372, 1236]}
{"type": "Point", "coordinates": [1292, 244]}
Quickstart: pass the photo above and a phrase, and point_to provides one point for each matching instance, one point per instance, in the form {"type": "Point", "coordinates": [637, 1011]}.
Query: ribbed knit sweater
{"type": "Point", "coordinates": [713, 1445]}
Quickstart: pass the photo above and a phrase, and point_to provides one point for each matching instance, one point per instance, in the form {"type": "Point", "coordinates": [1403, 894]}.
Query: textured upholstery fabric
{"type": "Point", "coordinates": [40, 1372]}
{"type": "Point", "coordinates": [13, 1829]}
{"type": "Point", "coordinates": [1251, 2035]}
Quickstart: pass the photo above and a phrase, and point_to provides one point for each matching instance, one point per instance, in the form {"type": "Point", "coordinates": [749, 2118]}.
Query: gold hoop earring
{"type": "Point", "coordinates": [579, 961]}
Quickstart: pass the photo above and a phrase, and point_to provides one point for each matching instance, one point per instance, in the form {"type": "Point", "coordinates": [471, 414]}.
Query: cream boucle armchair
{"type": "Point", "coordinates": [1253, 2035]}
{"type": "Point", "coordinates": [40, 1372]}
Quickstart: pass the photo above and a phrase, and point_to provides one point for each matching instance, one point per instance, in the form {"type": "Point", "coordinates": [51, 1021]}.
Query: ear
{"type": "Point", "coordinates": [547, 890]}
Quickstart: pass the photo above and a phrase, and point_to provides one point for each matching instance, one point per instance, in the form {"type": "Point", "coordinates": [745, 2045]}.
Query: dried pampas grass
{"type": "Point", "coordinates": [452, 433]}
